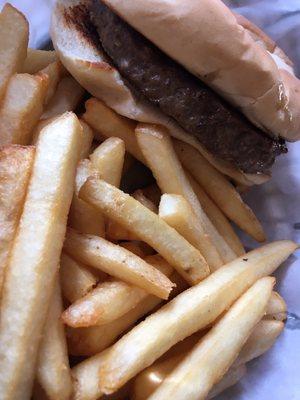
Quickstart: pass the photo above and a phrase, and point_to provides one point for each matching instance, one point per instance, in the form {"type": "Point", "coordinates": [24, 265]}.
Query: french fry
{"type": "Point", "coordinates": [232, 376]}
{"type": "Point", "coordinates": [217, 218]}
{"type": "Point", "coordinates": [139, 196]}
{"type": "Point", "coordinates": [87, 139]}
{"type": "Point", "coordinates": [192, 310]}
{"type": "Point", "coordinates": [38, 392]}
{"type": "Point", "coordinates": [22, 107]}
{"type": "Point", "coordinates": [108, 160]}
{"type": "Point", "coordinates": [220, 190]}
{"type": "Point", "coordinates": [178, 213]}
{"type": "Point", "coordinates": [139, 248]}
{"type": "Point", "coordinates": [153, 193]}
{"type": "Point", "coordinates": [37, 60]}
{"type": "Point", "coordinates": [15, 169]}
{"type": "Point", "coordinates": [53, 369]}
{"type": "Point", "coordinates": [118, 262]}
{"type": "Point", "coordinates": [84, 217]}
{"type": "Point", "coordinates": [277, 308]}
{"type": "Point", "coordinates": [55, 72]}
{"type": "Point", "coordinates": [210, 359]}
{"type": "Point", "coordinates": [66, 98]}
{"type": "Point", "coordinates": [109, 300]}
{"type": "Point", "coordinates": [107, 123]}
{"type": "Point", "coordinates": [115, 232]}
{"type": "Point", "coordinates": [130, 213]}
{"type": "Point", "coordinates": [92, 340]}
{"type": "Point", "coordinates": [14, 35]}
{"type": "Point", "coordinates": [76, 279]}
{"type": "Point", "coordinates": [261, 340]}
{"type": "Point", "coordinates": [158, 150]}
{"type": "Point", "coordinates": [34, 259]}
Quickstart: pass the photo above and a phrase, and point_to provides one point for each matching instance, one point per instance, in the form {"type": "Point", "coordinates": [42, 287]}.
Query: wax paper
{"type": "Point", "coordinates": [276, 375]}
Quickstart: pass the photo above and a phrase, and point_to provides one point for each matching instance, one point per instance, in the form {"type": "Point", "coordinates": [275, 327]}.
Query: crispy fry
{"type": "Point", "coordinates": [130, 213]}
{"type": "Point", "coordinates": [107, 123]}
{"type": "Point", "coordinates": [22, 107]}
{"type": "Point", "coordinates": [66, 98]}
{"type": "Point", "coordinates": [14, 34]}
{"type": "Point", "coordinates": [35, 254]}
{"type": "Point", "coordinates": [277, 308]}
{"type": "Point", "coordinates": [76, 279]}
{"type": "Point", "coordinates": [178, 213]}
{"type": "Point", "coordinates": [217, 218]}
{"type": "Point", "coordinates": [109, 300]}
{"type": "Point", "coordinates": [15, 169]}
{"type": "Point", "coordinates": [53, 369]}
{"type": "Point", "coordinates": [118, 262]}
{"type": "Point", "coordinates": [108, 160]}
{"type": "Point", "coordinates": [37, 60]}
{"type": "Point", "coordinates": [261, 340]}
{"type": "Point", "coordinates": [209, 360]}
{"type": "Point", "coordinates": [220, 190]}
{"type": "Point", "coordinates": [189, 312]}
{"type": "Point", "coordinates": [158, 150]}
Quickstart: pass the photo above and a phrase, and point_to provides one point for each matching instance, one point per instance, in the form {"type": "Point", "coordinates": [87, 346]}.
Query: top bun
{"type": "Point", "coordinates": [227, 52]}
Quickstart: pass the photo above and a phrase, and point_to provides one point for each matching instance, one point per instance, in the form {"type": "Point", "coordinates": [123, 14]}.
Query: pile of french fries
{"type": "Point", "coordinates": [142, 295]}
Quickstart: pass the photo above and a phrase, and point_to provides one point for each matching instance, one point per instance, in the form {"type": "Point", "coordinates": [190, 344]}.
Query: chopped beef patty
{"type": "Point", "coordinates": [222, 130]}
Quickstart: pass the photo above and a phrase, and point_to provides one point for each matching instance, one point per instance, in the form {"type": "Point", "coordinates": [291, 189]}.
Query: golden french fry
{"type": "Point", "coordinates": [108, 160]}
{"type": "Point", "coordinates": [261, 340]}
{"type": "Point", "coordinates": [15, 169]}
{"type": "Point", "coordinates": [109, 300]}
{"type": "Point", "coordinates": [107, 123]}
{"type": "Point", "coordinates": [192, 310]}
{"type": "Point", "coordinates": [210, 359]}
{"type": "Point", "coordinates": [139, 196]}
{"type": "Point", "coordinates": [76, 279]}
{"type": "Point", "coordinates": [14, 34]}
{"type": "Point", "coordinates": [66, 98]}
{"type": "Point", "coordinates": [232, 376]}
{"type": "Point", "coordinates": [34, 259]}
{"type": "Point", "coordinates": [37, 60]}
{"type": "Point", "coordinates": [22, 107]}
{"type": "Point", "coordinates": [130, 213]}
{"type": "Point", "coordinates": [277, 308]}
{"type": "Point", "coordinates": [118, 262]}
{"type": "Point", "coordinates": [156, 145]}
{"type": "Point", "coordinates": [219, 189]}
{"type": "Point", "coordinates": [90, 341]}
{"type": "Point", "coordinates": [217, 218]}
{"type": "Point", "coordinates": [53, 369]}
{"type": "Point", "coordinates": [178, 213]}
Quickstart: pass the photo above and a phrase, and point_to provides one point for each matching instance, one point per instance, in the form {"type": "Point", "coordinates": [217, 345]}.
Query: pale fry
{"type": "Point", "coordinates": [107, 123]}
{"type": "Point", "coordinates": [109, 300]}
{"type": "Point", "coordinates": [118, 262]}
{"type": "Point", "coordinates": [76, 279]}
{"type": "Point", "coordinates": [53, 369]}
{"type": "Point", "coordinates": [92, 340]}
{"type": "Point", "coordinates": [22, 107]}
{"type": "Point", "coordinates": [66, 98]}
{"type": "Point", "coordinates": [232, 376]}
{"type": "Point", "coordinates": [156, 145]}
{"type": "Point", "coordinates": [192, 310]}
{"type": "Point", "coordinates": [217, 218]}
{"type": "Point", "coordinates": [277, 308]}
{"type": "Point", "coordinates": [14, 34]}
{"type": "Point", "coordinates": [37, 60]}
{"type": "Point", "coordinates": [177, 212]}
{"type": "Point", "coordinates": [220, 190]}
{"type": "Point", "coordinates": [209, 360]}
{"type": "Point", "coordinates": [261, 340]}
{"type": "Point", "coordinates": [55, 72]}
{"type": "Point", "coordinates": [108, 160]}
{"type": "Point", "coordinates": [35, 254]}
{"type": "Point", "coordinates": [130, 213]}
{"type": "Point", "coordinates": [15, 169]}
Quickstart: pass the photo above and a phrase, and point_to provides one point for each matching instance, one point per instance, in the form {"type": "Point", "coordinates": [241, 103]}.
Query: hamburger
{"type": "Point", "coordinates": [214, 79]}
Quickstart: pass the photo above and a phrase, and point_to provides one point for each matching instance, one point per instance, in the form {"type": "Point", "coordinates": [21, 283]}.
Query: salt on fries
{"type": "Point", "coordinates": [89, 270]}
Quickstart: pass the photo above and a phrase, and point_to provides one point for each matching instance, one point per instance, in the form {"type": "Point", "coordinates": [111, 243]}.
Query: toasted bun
{"type": "Point", "coordinates": [227, 52]}
{"type": "Point", "coordinates": [84, 59]}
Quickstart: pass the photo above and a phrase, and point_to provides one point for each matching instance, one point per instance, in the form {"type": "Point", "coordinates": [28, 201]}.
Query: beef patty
{"type": "Point", "coordinates": [222, 130]}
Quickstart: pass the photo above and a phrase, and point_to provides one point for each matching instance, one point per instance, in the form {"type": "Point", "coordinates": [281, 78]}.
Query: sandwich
{"type": "Point", "coordinates": [213, 78]}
